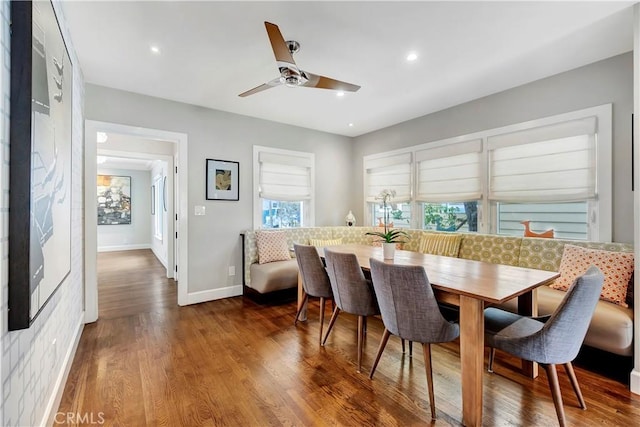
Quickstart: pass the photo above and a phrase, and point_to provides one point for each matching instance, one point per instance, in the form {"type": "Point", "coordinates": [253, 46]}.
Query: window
{"type": "Point", "coordinates": [158, 208]}
{"type": "Point", "coordinates": [554, 172]}
{"type": "Point", "coordinates": [388, 172]}
{"type": "Point", "coordinates": [283, 188]}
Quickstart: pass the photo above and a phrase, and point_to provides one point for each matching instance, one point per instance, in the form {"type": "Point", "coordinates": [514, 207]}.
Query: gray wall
{"type": "Point", "coordinates": [138, 233]}
{"type": "Point", "coordinates": [214, 242]}
{"type": "Point", "coordinates": [608, 81]}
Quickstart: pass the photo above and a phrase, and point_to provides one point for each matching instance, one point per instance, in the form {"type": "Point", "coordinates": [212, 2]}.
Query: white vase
{"type": "Point", "coordinates": [388, 250]}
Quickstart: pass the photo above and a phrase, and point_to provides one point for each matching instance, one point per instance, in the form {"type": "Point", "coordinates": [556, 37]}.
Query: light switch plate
{"type": "Point", "coordinates": [200, 210]}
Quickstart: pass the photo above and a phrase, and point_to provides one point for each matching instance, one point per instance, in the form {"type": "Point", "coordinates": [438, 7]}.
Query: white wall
{"type": "Point", "coordinates": [136, 235]}
{"type": "Point", "coordinates": [214, 241]}
{"type": "Point", "coordinates": [33, 368]}
{"type": "Point", "coordinates": [608, 81]}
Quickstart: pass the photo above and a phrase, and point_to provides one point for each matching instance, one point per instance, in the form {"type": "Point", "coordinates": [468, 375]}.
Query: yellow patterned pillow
{"type": "Point", "coordinates": [617, 268]}
{"type": "Point", "coordinates": [325, 242]}
{"type": "Point", "coordinates": [440, 244]}
{"type": "Point", "coordinates": [272, 246]}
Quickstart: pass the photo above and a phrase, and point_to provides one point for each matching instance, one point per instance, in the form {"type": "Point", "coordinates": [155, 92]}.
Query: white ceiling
{"type": "Point", "coordinates": [212, 51]}
{"type": "Point", "coordinates": [110, 162]}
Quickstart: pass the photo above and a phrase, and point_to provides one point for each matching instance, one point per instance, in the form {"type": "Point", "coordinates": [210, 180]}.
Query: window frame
{"type": "Point", "coordinates": [307, 216]}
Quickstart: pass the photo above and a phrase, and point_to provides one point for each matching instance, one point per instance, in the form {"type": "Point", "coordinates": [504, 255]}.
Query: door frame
{"type": "Point", "coordinates": [90, 220]}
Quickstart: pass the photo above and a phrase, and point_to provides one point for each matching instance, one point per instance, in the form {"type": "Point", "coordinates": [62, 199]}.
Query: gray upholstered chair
{"type": "Point", "coordinates": [410, 311]}
{"type": "Point", "coordinates": [315, 280]}
{"type": "Point", "coordinates": [352, 293]}
{"type": "Point", "coordinates": [556, 341]}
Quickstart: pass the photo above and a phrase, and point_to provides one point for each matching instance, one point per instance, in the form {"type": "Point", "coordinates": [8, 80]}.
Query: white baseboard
{"type": "Point", "coordinates": [214, 294]}
{"type": "Point", "coordinates": [58, 388]}
{"type": "Point", "coordinates": [124, 247]}
{"type": "Point", "coordinates": [635, 381]}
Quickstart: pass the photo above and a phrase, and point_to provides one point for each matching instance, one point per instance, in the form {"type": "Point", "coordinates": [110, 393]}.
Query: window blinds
{"type": "Point", "coordinates": [551, 163]}
{"type": "Point", "coordinates": [391, 173]}
{"type": "Point", "coordinates": [450, 173]}
{"type": "Point", "coordinates": [285, 177]}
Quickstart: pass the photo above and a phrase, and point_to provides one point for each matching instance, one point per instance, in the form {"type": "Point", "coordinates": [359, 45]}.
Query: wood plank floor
{"type": "Point", "coordinates": [233, 362]}
{"type": "Point", "coordinates": [132, 282]}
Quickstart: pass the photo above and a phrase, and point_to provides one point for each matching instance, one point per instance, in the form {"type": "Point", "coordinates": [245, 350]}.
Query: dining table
{"type": "Point", "coordinates": [471, 285]}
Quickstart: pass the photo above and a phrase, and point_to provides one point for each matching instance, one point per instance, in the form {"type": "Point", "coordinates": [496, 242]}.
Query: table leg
{"type": "Point", "coordinates": [528, 306]}
{"type": "Point", "coordinates": [303, 313]}
{"type": "Point", "coordinates": [471, 358]}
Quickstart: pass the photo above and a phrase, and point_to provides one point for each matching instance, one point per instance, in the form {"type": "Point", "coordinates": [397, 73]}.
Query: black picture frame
{"type": "Point", "coordinates": [223, 180]}
{"type": "Point", "coordinates": [40, 161]}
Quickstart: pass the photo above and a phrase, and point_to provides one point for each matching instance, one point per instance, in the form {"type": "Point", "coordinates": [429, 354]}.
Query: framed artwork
{"type": "Point", "coordinates": [114, 200]}
{"type": "Point", "coordinates": [40, 161]}
{"type": "Point", "coordinates": [222, 180]}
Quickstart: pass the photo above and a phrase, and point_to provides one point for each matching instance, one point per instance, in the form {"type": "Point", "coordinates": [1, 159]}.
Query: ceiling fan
{"type": "Point", "coordinates": [290, 74]}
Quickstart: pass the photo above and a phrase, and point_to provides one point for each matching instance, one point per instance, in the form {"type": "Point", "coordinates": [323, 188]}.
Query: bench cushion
{"type": "Point", "coordinates": [274, 276]}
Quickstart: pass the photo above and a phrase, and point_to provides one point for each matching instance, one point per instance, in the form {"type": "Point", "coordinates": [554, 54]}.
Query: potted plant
{"type": "Point", "coordinates": [389, 237]}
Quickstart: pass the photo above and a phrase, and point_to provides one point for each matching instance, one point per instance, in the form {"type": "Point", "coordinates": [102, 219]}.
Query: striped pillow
{"type": "Point", "coordinates": [325, 242]}
{"type": "Point", "coordinates": [440, 244]}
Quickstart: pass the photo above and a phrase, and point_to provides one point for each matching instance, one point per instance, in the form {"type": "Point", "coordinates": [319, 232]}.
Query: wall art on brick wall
{"type": "Point", "coordinates": [114, 200]}
{"type": "Point", "coordinates": [40, 161]}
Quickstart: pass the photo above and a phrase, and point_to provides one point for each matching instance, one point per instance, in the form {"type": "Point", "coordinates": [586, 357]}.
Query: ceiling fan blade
{"type": "Point", "coordinates": [280, 49]}
{"type": "Point", "coordinates": [322, 82]}
{"type": "Point", "coordinates": [265, 86]}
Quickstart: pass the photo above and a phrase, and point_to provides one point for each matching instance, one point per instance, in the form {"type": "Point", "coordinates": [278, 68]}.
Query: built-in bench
{"type": "Point", "coordinates": [611, 328]}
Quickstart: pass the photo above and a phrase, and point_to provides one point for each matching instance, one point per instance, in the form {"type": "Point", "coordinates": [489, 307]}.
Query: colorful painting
{"type": "Point", "coordinates": [114, 200]}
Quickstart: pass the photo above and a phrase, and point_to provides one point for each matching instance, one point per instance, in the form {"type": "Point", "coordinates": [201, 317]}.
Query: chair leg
{"type": "Point", "coordinates": [361, 321]}
{"type": "Point", "coordinates": [574, 382]}
{"type": "Point", "coordinates": [383, 343]}
{"type": "Point", "coordinates": [402, 339]}
{"type": "Point", "coordinates": [410, 348]}
{"type": "Point", "coordinates": [492, 355]}
{"type": "Point", "coordinates": [426, 348]}
{"type": "Point", "coordinates": [322, 304]}
{"type": "Point", "coordinates": [552, 375]}
{"type": "Point", "coordinates": [334, 316]}
{"type": "Point", "coordinates": [304, 302]}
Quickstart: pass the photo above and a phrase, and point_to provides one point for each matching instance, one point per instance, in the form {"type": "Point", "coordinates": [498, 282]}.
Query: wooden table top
{"type": "Point", "coordinates": [493, 283]}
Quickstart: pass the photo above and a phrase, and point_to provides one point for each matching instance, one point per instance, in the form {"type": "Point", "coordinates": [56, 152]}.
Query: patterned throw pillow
{"type": "Point", "coordinates": [272, 246]}
{"type": "Point", "coordinates": [617, 268]}
{"type": "Point", "coordinates": [325, 242]}
{"type": "Point", "coordinates": [440, 244]}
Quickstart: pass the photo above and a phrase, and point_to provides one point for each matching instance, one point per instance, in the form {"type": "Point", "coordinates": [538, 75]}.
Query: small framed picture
{"type": "Point", "coordinates": [223, 180]}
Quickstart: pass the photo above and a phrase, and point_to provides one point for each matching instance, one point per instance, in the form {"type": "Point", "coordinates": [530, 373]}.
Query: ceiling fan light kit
{"type": "Point", "coordinates": [290, 74]}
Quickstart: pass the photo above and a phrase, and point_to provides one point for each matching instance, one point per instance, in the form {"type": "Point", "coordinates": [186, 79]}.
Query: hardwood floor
{"type": "Point", "coordinates": [132, 282]}
{"type": "Point", "coordinates": [233, 362]}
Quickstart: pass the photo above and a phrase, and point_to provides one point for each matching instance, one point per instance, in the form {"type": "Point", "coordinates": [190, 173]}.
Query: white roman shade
{"type": "Point", "coordinates": [450, 173]}
{"type": "Point", "coordinates": [555, 163]}
{"type": "Point", "coordinates": [285, 176]}
{"type": "Point", "coordinates": [392, 173]}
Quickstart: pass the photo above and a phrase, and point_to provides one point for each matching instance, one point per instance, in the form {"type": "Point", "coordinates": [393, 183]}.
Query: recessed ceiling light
{"type": "Point", "coordinates": [340, 93]}
{"type": "Point", "coordinates": [101, 137]}
{"type": "Point", "coordinates": [155, 49]}
{"type": "Point", "coordinates": [412, 56]}
{"type": "Point", "coordinates": [350, 125]}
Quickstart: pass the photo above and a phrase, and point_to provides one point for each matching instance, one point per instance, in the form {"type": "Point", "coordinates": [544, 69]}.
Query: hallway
{"type": "Point", "coordinates": [133, 282]}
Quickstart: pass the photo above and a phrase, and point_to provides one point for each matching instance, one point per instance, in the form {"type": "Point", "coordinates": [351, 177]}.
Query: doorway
{"type": "Point", "coordinates": [147, 146]}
